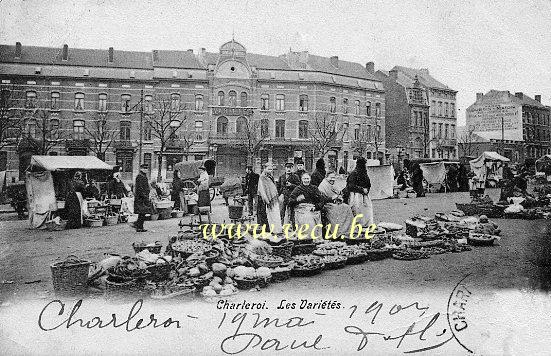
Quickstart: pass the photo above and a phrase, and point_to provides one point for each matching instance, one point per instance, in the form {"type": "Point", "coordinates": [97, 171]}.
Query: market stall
{"type": "Point", "coordinates": [435, 174]}
{"type": "Point", "coordinates": [47, 182]}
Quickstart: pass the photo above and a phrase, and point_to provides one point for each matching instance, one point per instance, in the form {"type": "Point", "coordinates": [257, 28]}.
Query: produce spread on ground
{"type": "Point", "coordinates": [191, 266]}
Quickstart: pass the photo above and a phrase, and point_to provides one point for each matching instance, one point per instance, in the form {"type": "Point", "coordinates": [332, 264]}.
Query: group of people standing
{"type": "Point", "coordinates": [300, 198]}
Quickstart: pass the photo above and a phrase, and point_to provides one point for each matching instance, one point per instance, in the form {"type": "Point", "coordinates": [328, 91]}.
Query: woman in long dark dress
{"type": "Point", "coordinates": [73, 202]}
{"type": "Point", "coordinates": [417, 180]}
{"type": "Point", "coordinates": [358, 186]}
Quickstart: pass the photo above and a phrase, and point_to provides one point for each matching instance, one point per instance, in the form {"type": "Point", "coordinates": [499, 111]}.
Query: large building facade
{"type": "Point", "coordinates": [234, 106]}
{"type": "Point", "coordinates": [514, 124]}
{"type": "Point", "coordinates": [420, 114]}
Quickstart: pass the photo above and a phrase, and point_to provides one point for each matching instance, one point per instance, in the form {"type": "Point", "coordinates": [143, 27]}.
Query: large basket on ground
{"type": "Point", "coordinates": [158, 272]}
{"type": "Point", "coordinates": [235, 212]}
{"type": "Point", "coordinates": [245, 283]}
{"type": "Point", "coordinates": [303, 248]}
{"type": "Point", "coordinates": [355, 259]}
{"type": "Point", "coordinates": [281, 275]}
{"type": "Point", "coordinates": [491, 211]}
{"type": "Point", "coordinates": [334, 262]}
{"type": "Point", "coordinates": [468, 208]}
{"type": "Point", "coordinates": [283, 250]}
{"type": "Point", "coordinates": [70, 276]}
{"type": "Point", "coordinates": [477, 239]}
{"type": "Point", "coordinates": [261, 261]}
{"type": "Point", "coordinates": [378, 254]}
{"type": "Point", "coordinates": [152, 248]}
{"type": "Point", "coordinates": [93, 222]}
{"type": "Point", "coordinates": [306, 272]}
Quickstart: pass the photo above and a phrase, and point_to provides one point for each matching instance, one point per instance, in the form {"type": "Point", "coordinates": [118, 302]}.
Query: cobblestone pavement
{"type": "Point", "coordinates": [522, 259]}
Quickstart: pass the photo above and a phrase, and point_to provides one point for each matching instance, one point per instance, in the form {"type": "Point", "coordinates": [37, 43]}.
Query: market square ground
{"type": "Point", "coordinates": [521, 261]}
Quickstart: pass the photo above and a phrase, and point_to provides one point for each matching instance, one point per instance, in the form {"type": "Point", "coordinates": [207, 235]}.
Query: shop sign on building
{"type": "Point", "coordinates": [495, 117]}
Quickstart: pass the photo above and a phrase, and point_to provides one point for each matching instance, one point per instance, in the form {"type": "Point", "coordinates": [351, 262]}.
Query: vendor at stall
{"type": "Point", "coordinates": [268, 212]}
{"type": "Point", "coordinates": [116, 187]}
{"type": "Point", "coordinates": [91, 191]}
{"type": "Point", "coordinates": [307, 201]}
{"type": "Point", "coordinates": [286, 183]}
{"type": "Point", "coordinates": [203, 188]}
{"type": "Point", "coordinates": [73, 202]}
{"type": "Point", "coordinates": [358, 186]}
{"type": "Point", "coordinates": [336, 212]}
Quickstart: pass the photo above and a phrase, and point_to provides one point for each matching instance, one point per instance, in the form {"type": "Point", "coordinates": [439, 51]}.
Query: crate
{"type": "Point", "coordinates": [112, 220]}
{"type": "Point", "coordinates": [70, 278]}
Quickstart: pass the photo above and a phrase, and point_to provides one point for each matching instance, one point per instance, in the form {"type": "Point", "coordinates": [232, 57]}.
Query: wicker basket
{"type": "Point", "coordinates": [378, 254]}
{"type": "Point", "coordinates": [336, 264]}
{"type": "Point", "coordinates": [281, 276]}
{"type": "Point", "coordinates": [246, 284]}
{"type": "Point", "coordinates": [476, 239]}
{"type": "Point", "coordinates": [94, 222]}
{"type": "Point", "coordinates": [491, 211]}
{"type": "Point", "coordinates": [352, 260]}
{"type": "Point", "coordinates": [158, 273]}
{"type": "Point", "coordinates": [112, 220]}
{"type": "Point", "coordinates": [70, 278]}
{"type": "Point", "coordinates": [303, 249]}
{"type": "Point", "coordinates": [52, 226]}
{"type": "Point", "coordinates": [263, 282]}
{"type": "Point", "coordinates": [468, 209]}
{"type": "Point", "coordinates": [235, 212]}
{"type": "Point", "coordinates": [153, 249]}
{"type": "Point", "coordinates": [259, 262]}
{"type": "Point", "coordinates": [303, 272]}
{"type": "Point", "coordinates": [284, 250]}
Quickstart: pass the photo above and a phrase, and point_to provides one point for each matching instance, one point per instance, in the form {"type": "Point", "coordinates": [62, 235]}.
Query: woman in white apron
{"type": "Point", "coordinates": [268, 213]}
{"type": "Point", "coordinates": [358, 185]}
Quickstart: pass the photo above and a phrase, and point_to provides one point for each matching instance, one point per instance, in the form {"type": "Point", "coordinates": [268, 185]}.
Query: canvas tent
{"type": "Point", "coordinates": [47, 175]}
{"type": "Point", "coordinates": [382, 181]}
{"type": "Point", "coordinates": [488, 166]}
{"type": "Point", "coordinates": [435, 173]}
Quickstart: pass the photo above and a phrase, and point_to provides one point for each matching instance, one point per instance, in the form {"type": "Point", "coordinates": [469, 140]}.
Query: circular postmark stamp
{"type": "Point", "coordinates": [457, 313]}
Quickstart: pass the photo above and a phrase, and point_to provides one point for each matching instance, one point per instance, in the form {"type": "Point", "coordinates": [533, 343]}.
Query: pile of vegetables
{"type": "Point", "coordinates": [128, 268]}
{"type": "Point", "coordinates": [307, 262]}
{"type": "Point", "coordinates": [222, 283]}
{"type": "Point", "coordinates": [191, 246]}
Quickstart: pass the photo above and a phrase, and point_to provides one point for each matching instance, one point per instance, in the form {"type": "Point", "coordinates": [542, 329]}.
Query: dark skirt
{"type": "Point", "coordinates": [204, 198]}
{"type": "Point", "coordinates": [261, 215]}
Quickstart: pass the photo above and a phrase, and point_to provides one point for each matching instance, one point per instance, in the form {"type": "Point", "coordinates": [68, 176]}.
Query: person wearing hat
{"type": "Point", "coordinates": [268, 212]}
{"type": "Point", "coordinates": [251, 187]}
{"type": "Point", "coordinates": [142, 204]}
{"type": "Point", "coordinates": [203, 188]}
{"type": "Point", "coordinates": [287, 182]}
{"type": "Point", "coordinates": [300, 168]}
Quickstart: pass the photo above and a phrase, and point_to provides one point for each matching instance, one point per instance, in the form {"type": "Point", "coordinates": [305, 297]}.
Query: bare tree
{"type": "Point", "coordinates": [325, 132]}
{"type": "Point", "coordinates": [466, 142]}
{"type": "Point", "coordinates": [166, 119]}
{"type": "Point", "coordinates": [101, 134]}
{"type": "Point", "coordinates": [361, 140]}
{"type": "Point", "coordinates": [188, 137]}
{"type": "Point", "coordinates": [11, 125]}
{"type": "Point", "coordinates": [44, 133]}
{"type": "Point", "coordinates": [250, 133]}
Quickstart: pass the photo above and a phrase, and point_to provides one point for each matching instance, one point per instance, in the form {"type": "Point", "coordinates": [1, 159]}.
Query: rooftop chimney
{"type": "Point", "coordinates": [111, 55]}
{"type": "Point", "coordinates": [17, 49]}
{"type": "Point", "coordinates": [155, 55]}
{"type": "Point", "coordinates": [65, 53]}
{"type": "Point", "coordinates": [370, 66]}
{"type": "Point", "coordinates": [334, 61]}
{"type": "Point", "coordinates": [519, 95]}
{"type": "Point", "coordinates": [479, 96]}
{"type": "Point", "coordinates": [393, 74]}
{"type": "Point", "coordinates": [537, 98]}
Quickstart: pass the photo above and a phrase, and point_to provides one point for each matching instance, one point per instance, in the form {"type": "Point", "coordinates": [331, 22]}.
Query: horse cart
{"type": "Point", "coordinates": [189, 174]}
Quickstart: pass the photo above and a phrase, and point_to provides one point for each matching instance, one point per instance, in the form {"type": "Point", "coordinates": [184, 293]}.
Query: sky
{"type": "Point", "coordinates": [471, 46]}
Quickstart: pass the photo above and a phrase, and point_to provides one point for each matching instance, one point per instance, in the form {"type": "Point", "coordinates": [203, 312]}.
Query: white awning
{"type": "Point", "coordinates": [58, 163]}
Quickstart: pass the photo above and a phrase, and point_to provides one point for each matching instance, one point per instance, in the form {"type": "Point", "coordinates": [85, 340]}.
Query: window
{"type": "Point", "coordinates": [125, 131]}
{"type": "Point", "coordinates": [345, 106]}
{"type": "Point", "coordinates": [446, 130]}
{"type": "Point", "coordinates": [222, 125]}
{"type": "Point", "coordinates": [148, 104]}
{"type": "Point", "coordinates": [198, 102]}
{"type": "Point", "coordinates": [30, 127]}
{"type": "Point", "coordinates": [264, 102]}
{"type": "Point", "coordinates": [433, 130]}
{"type": "Point", "coordinates": [452, 110]}
{"type": "Point", "coordinates": [199, 130]}
{"type": "Point", "coordinates": [241, 125]}
{"type": "Point", "coordinates": [345, 132]}
{"type": "Point", "coordinates": [79, 101]}
{"type": "Point", "coordinates": [280, 128]}
{"type": "Point", "coordinates": [357, 107]}
{"type": "Point", "coordinates": [368, 108]}
{"type": "Point", "coordinates": [378, 132]}
{"type": "Point", "coordinates": [54, 100]}
{"type": "Point", "coordinates": [232, 98]}
{"type": "Point", "coordinates": [280, 102]}
{"type": "Point", "coordinates": [413, 119]}
{"type": "Point", "coordinates": [78, 130]}
{"type": "Point", "coordinates": [446, 109]}
{"type": "Point", "coordinates": [147, 160]}
{"type": "Point", "coordinates": [369, 133]}
{"type": "Point", "coordinates": [102, 102]}
{"type": "Point", "coordinates": [264, 128]}
{"type": "Point", "coordinates": [357, 132]}
{"type": "Point", "coordinates": [378, 109]}
{"type": "Point", "coordinates": [124, 160]}
{"type": "Point", "coordinates": [439, 108]}
{"type": "Point", "coordinates": [244, 99]}
{"type": "Point", "coordinates": [125, 103]}
{"type": "Point", "coordinates": [303, 129]}
{"type": "Point", "coordinates": [5, 98]}
{"type": "Point", "coordinates": [332, 104]}
{"type": "Point", "coordinates": [440, 130]}
{"type": "Point", "coordinates": [31, 99]}
{"type": "Point", "coordinates": [147, 132]}
{"type": "Point", "coordinates": [54, 126]}
{"type": "Point", "coordinates": [221, 99]}
{"type": "Point", "coordinates": [175, 102]}
{"type": "Point", "coordinates": [433, 107]}
{"type": "Point", "coordinates": [303, 103]}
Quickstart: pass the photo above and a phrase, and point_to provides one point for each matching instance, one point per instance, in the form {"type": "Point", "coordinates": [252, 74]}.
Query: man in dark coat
{"type": "Point", "coordinates": [287, 182]}
{"type": "Point", "coordinates": [451, 178]}
{"type": "Point", "coordinates": [319, 173]}
{"type": "Point", "coordinates": [300, 168]}
{"type": "Point", "coordinates": [142, 205]}
{"type": "Point", "coordinates": [251, 187]}
{"type": "Point", "coordinates": [417, 180]}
